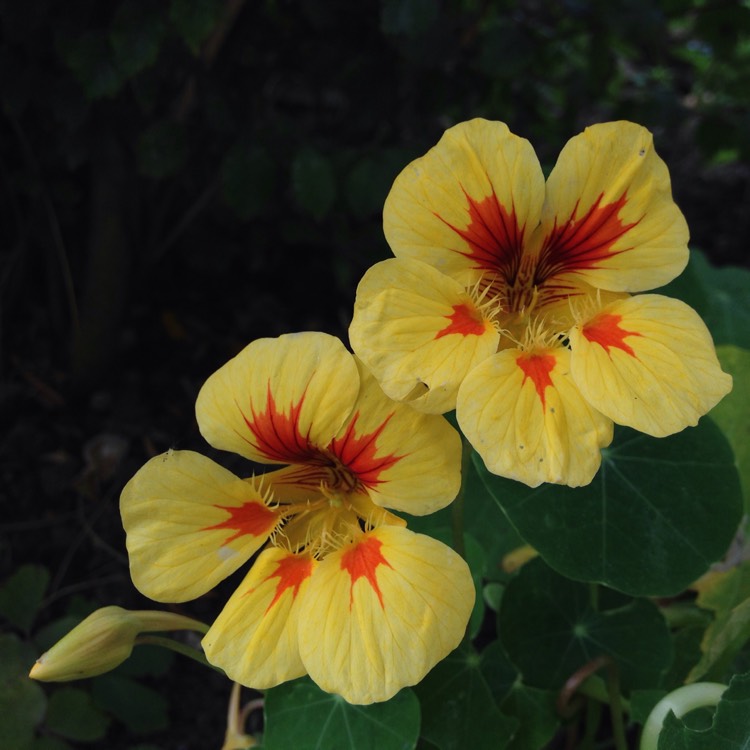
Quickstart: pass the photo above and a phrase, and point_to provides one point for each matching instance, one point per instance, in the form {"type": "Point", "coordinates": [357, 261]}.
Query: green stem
{"type": "Point", "coordinates": [176, 646]}
{"type": "Point", "coordinates": [457, 507]}
{"type": "Point", "coordinates": [615, 707]}
{"type": "Point", "coordinates": [595, 687]}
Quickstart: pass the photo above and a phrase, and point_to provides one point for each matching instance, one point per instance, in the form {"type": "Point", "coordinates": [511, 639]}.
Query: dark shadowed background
{"type": "Point", "coordinates": [180, 177]}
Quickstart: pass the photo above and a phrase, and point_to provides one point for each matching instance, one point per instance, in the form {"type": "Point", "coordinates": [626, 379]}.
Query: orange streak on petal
{"type": "Point", "coordinates": [465, 321]}
{"type": "Point", "coordinates": [493, 235]}
{"type": "Point", "coordinates": [357, 453]}
{"type": "Point", "coordinates": [361, 561]}
{"type": "Point", "coordinates": [277, 435]}
{"type": "Point", "coordinates": [249, 519]}
{"type": "Point", "coordinates": [605, 330]}
{"type": "Point", "coordinates": [537, 367]}
{"type": "Point", "coordinates": [583, 243]}
{"type": "Point", "coordinates": [292, 571]}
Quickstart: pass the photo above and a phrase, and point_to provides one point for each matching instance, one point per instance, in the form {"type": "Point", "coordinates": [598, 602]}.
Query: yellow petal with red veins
{"type": "Point", "coordinates": [381, 612]}
{"type": "Point", "coordinates": [404, 459]}
{"type": "Point", "coordinates": [648, 362]}
{"type": "Point", "coordinates": [419, 332]}
{"type": "Point", "coordinates": [468, 205]}
{"type": "Point", "coordinates": [190, 523]}
{"type": "Point", "coordinates": [525, 417]}
{"type": "Point", "coordinates": [279, 399]}
{"type": "Point", "coordinates": [255, 637]}
{"type": "Point", "coordinates": [609, 217]}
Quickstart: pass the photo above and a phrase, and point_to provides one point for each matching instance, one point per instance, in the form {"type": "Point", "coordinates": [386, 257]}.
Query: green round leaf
{"type": "Point", "coordinates": [22, 701]}
{"type": "Point", "coordinates": [654, 518]}
{"type": "Point", "coordinates": [140, 708]}
{"type": "Point", "coordinates": [458, 708]}
{"type": "Point", "coordinates": [300, 715]}
{"type": "Point", "coordinates": [314, 183]}
{"type": "Point", "coordinates": [550, 629]}
{"type": "Point", "coordinates": [72, 714]}
{"type": "Point", "coordinates": [22, 593]}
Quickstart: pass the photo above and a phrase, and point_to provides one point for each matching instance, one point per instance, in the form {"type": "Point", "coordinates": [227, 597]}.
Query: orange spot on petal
{"type": "Point", "coordinates": [584, 242]}
{"type": "Point", "coordinates": [277, 435]}
{"type": "Point", "coordinates": [605, 330]}
{"type": "Point", "coordinates": [357, 453]}
{"type": "Point", "coordinates": [537, 368]}
{"type": "Point", "coordinates": [495, 240]}
{"type": "Point", "coordinates": [361, 561]}
{"type": "Point", "coordinates": [292, 571]}
{"type": "Point", "coordinates": [464, 321]}
{"type": "Point", "coordinates": [248, 519]}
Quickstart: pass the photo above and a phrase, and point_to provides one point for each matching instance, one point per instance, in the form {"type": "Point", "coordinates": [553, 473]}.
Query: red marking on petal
{"type": "Point", "coordinates": [248, 519]}
{"type": "Point", "coordinates": [493, 235]}
{"type": "Point", "coordinates": [277, 435]}
{"type": "Point", "coordinates": [605, 330]}
{"type": "Point", "coordinates": [292, 571]}
{"type": "Point", "coordinates": [537, 367]}
{"type": "Point", "coordinates": [357, 453]}
{"type": "Point", "coordinates": [464, 321]}
{"type": "Point", "coordinates": [583, 243]}
{"type": "Point", "coordinates": [361, 561]}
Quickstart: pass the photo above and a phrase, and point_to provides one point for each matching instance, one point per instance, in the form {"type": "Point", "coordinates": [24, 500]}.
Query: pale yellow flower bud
{"type": "Point", "coordinates": [103, 641]}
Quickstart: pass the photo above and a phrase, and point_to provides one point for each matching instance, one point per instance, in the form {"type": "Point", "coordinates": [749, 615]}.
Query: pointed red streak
{"type": "Point", "coordinates": [361, 561]}
{"type": "Point", "coordinates": [277, 435]}
{"type": "Point", "coordinates": [292, 571]}
{"type": "Point", "coordinates": [464, 321]}
{"type": "Point", "coordinates": [605, 330]}
{"type": "Point", "coordinates": [249, 519]}
{"type": "Point", "coordinates": [357, 453]}
{"type": "Point", "coordinates": [493, 235]}
{"type": "Point", "coordinates": [583, 243]}
{"type": "Point", "coordinates": [537, 367]}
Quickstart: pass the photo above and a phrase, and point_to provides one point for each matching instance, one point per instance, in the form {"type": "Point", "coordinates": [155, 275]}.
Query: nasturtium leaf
{"type": "Point", "coordinates": [72, 714]}
{"type": "Point", "coordinates": [550, 629]}
{"type": "Point", "coordinates": [22, 593]}
{"type": "Point", "coordinates": [135, 36]}
{"type": "Point", "coordinates": [161, 149]}
{"type": "Point", "coordinates": [407, 17]}
{"type": "Point", "coordinates": [195, 20]}
{"type": "Point", "coordinates": [458, 708]}
{"type": "Point", "coordinates": [654, 518]}
{"type": "Point", "coordinates": [727, 594]}
{"type": "Point", "coordinates": [730, 729]}
{"type": "Point", "coordinates": [642, 703]}
{"type": "Point", "coordinates": [299, 715]}
{"type": "Point", "coordinates": [22, 701]}
{"type": "Point", "coordinates": [535, 709]}
{"type": "Point", "coordinates": [732, 413]}
{"type": "Point", "coordinates": [89, 58]}
{"type": "Point", "coordinates": [147, 660]}
{"type": "Point", "coordinates": [50, 743]}
{"type": "Point", "coordinates": [248, 178]}
{"type": "Point", "coordinates": [313, 183]}
{"type": "Point", "coordinates": [141, 708]}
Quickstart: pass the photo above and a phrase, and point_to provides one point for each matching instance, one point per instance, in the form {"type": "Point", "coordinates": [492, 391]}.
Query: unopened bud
{"type": "Point", "coordinates": [103, 641]}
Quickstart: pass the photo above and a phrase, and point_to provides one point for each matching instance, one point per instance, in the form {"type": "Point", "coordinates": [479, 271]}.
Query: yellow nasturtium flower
{"type": "Point", "coordinates": [341, 590]}
{"type": "Point", "coordinates": [517, 301]}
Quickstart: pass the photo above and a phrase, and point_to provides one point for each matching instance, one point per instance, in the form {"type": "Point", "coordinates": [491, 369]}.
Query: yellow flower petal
{"type": "Point", "coordinates": [280, 399]}
{"type": "Point", "coordinates": [419, 332]}
{"type": "Point", "coordinates": [404, 459]}
{"type": "Point", "coordinates": [255, 637]}
{"type": "Point", "coordinates": [190, 523]}
{"type": "Point", "coordinates": [381, 612]}
{"type": "Point", "coordinates": [609, 217]}
{"type": "Point", "coordinates": [527, 420]}
{"type": "Point", "coordinates": [466, 206]}
{"type": "Point", "coordinates": [648, 362]}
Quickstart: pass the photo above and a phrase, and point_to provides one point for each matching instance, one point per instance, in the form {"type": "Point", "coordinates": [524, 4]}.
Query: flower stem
{"type": "Point", "coordinates": [681, 701]}
{"type": "Point", "coordinates": [176, 646]}
{"type": "Point", "coordinates": [615, 707]}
